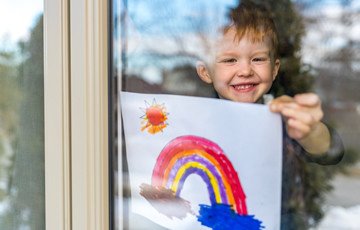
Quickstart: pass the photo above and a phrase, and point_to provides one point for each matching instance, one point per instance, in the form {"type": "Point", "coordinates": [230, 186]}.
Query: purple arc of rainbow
{"type": "Point", "coordinates": [193, 170]}
{"type": "Point", "coordinates": [188, 155]}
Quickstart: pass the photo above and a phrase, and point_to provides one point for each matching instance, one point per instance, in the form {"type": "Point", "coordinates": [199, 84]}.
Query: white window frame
{"type": "Point", "coordinates": [76, 114]}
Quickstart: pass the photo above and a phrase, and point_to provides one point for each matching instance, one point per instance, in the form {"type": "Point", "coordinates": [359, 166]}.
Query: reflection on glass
{"type": "Point", "coordinates": [164, 47]}
{"type": "Point", "coordinates": [332, 47]}
{"type": "Point", "coordinates": [157, 44]}
{"type": "Point", "coordinates": [22, 202]}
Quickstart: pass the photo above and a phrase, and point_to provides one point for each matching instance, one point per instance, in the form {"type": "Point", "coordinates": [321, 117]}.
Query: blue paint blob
{"type": "Point", "coordinates": [223, 217]}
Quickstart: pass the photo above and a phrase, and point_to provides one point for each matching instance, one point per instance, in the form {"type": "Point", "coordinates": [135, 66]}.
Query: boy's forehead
{"type": "Point", "coordinates": [229, 37]}
{"type": "Point", "coordinates": [230, 40]}
{"type": "Point", "coordinates": [223, 41]}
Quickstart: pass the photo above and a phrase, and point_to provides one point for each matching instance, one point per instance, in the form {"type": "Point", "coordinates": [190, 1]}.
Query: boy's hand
{"type": "Point", "coordinates": [302, 113]}
{"type": "Point", "coordinates": [303, 116]}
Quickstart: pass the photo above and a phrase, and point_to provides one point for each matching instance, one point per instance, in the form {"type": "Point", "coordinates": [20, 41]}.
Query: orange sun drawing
{"type": "Point", "coordinates": [154, 119]}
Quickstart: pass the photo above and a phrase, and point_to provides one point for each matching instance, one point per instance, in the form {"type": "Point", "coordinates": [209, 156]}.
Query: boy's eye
{"type": "Point", "coordinates": [260, 59]}
{"type": "Point", "coordinates": [230, 60]}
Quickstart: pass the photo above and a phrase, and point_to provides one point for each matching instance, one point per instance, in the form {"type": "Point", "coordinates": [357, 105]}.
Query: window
{"type": "Point", "coordinates": [22, 177]}
{"type": "Point", "coordinates": [155, 46]}
{"type": "Point", "coordinates": [59, 115]}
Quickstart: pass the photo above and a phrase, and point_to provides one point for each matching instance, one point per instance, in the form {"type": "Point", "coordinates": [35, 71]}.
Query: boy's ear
{"type": "Point", "coordinates": [276, 68]}
{"type": "Point", "coordinates": [203, 72]}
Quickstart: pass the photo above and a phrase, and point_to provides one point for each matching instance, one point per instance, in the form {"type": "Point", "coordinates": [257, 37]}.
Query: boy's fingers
{"type": "Point", "coordinates": [277, 104]}
{"type": "Point", "coordinates": [301, 116]}
{"type": "Point", "coordinates": [301, 113]}
{"type": "Point", "coordinates": [297, 129]}
{"type": "Point", "coordinates": [308, 99]}
{"type": "Point", "coordinates": [282, 99]}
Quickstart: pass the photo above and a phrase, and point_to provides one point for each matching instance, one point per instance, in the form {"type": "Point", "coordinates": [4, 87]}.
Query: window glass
{"type": "Point", "coordinates": [157, 44]}
{"type": "Point", "coordinates": [22, 201]}
{"type": "Point", "coordinates": [331, 47]}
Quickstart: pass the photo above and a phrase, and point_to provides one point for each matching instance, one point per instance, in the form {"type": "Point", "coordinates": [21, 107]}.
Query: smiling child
{"type": "Point", "coordinates": [243, 69]}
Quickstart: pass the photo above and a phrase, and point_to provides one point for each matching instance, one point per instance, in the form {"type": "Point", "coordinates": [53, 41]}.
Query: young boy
{"type": "Point", "coordinates": [244, 67]}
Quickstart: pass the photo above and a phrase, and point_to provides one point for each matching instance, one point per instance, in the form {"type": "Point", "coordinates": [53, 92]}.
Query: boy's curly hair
{"type": "Point", "coordinates": [256, 22]}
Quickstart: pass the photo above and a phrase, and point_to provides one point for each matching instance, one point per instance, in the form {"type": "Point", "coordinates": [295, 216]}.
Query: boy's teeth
{"type": "Point", "coordinates": [243, 86]}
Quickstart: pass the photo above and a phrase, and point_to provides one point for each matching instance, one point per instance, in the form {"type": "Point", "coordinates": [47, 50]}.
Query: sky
{"type": "Point", "coordinates": [329, 33]}
{"type": "Point", "coordinates": [17, 17]}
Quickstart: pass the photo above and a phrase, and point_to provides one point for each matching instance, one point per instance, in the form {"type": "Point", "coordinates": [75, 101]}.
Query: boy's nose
{"type": "Point", "coordinates": [244, 69]}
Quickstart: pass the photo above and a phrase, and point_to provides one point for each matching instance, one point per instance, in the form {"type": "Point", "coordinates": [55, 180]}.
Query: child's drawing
{"type": "Point", "coordinates": [217, 166]}
{"type": "Point", "coordinates": [188, 155]}
{"type": "Point", "coordinates": [154, 118]}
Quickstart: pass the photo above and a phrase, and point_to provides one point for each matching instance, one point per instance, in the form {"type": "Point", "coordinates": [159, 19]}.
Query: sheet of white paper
{"type": "Point", "coordinates": [248, 135]}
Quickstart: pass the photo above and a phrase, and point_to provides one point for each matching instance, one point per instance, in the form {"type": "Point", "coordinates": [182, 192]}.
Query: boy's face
{"type": "Point", "coordinates": [243, 71]}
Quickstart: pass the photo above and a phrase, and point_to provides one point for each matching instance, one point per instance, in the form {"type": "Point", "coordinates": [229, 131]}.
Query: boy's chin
{"type": "Point", "coordinates": [242, 100]}
{"type": "Point", "coordinates": [247, 101]}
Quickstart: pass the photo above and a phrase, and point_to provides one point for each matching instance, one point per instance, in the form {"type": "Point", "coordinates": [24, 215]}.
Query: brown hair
{"type": "Point", "coordinates": [256, 22]}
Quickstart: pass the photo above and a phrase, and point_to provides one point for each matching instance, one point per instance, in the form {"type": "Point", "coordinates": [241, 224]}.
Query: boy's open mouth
{"type": "Point", "coordinates": [244, 87]}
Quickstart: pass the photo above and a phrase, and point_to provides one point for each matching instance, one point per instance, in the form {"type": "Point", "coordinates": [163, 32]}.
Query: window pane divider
{"type": "Point", "coordinates": [89, 114]}
{"type": "Point", "coordinates": [57, 115]}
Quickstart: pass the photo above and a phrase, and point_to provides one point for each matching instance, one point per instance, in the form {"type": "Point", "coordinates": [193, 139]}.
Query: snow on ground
{"type": "Point", "coordinates": [342, 210]}
{"type": "Point", "coordinates": [340, 218]}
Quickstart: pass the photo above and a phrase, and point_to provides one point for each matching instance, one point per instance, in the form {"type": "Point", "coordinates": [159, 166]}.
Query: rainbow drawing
{"type": "Point", "coordinates": [186, 155]}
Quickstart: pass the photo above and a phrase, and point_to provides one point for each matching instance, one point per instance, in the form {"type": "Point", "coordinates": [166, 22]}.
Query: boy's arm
{"type": "Point", "coordinates": [317, 141]}
{"type": "Point", "coordinates": [302, 115]}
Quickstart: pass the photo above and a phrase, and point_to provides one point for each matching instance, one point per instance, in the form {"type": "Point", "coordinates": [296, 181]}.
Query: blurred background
{"type": "Point", "coordinates": [22, 191]}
